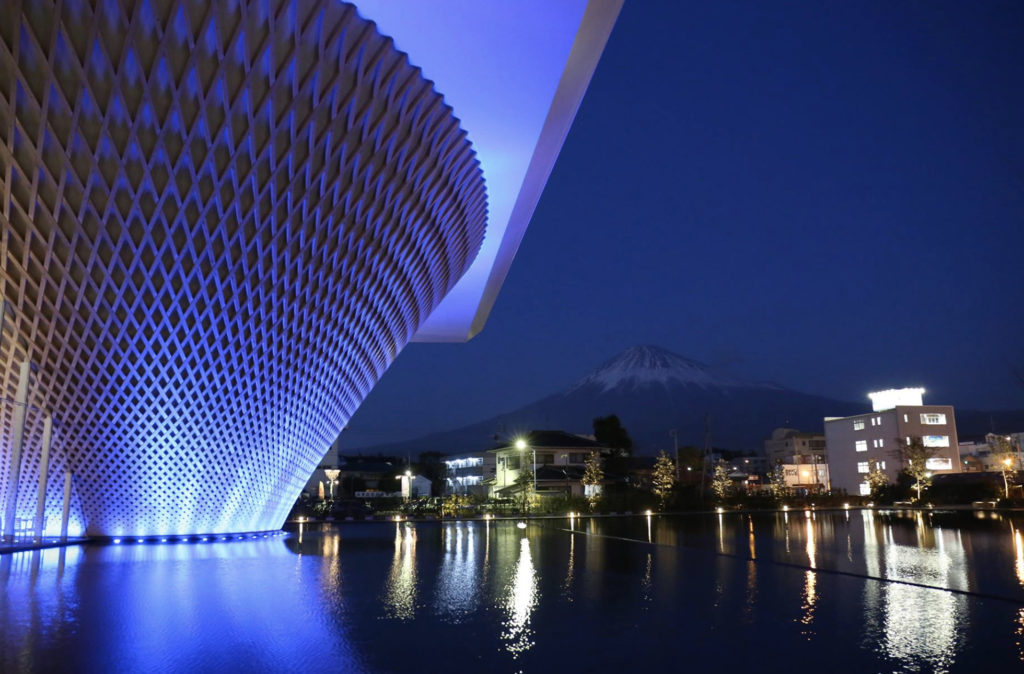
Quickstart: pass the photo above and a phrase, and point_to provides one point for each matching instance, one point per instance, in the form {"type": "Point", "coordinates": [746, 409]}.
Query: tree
{"type": "Point", "coordinates": [524, 485]}
{"type": "Point", "coordinates": [877, 479]}
{"type": "Point", "coordinates": [609, 432]}
{"type": "Point", "coordinates": [777, 482]}
{"type": "Point", "coordinates": [1006, 458]}
{"type": "Point", "coordinates": [915, 455]}
{"type": "Point", "coordinates": [720, 481]}
{"type": "Point", "coordinates": [592, 477]}
{"type": "Point", "coordinates": [452, 505]}
{"type": "Point", "coordinates": [664, 478]}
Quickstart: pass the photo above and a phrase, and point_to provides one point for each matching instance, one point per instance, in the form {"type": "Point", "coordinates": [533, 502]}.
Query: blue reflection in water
{"type": "Point", "coordinates": [173, 607]}
{"type": "Point", "coordinates": [487, 596]}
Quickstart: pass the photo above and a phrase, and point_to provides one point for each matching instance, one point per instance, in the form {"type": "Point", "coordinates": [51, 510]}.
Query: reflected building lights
{"type": "Point", "coordinates": [810, 601]}
{"type": "Point", "coordinates": [571, 570]}
{"type": "Point", "coordinates": [646, 585]}
{"type": "Point", "coordinates": [458, 585]}
{"type": "Point", "coordinates": [1020, 634]}
{"type": "Point", "coordinates": [520, 601]}
{"type": "Point", "coordinates": [1018, 546]}
{"type": "Point", "coordinates": [400, 592]}
{"type": "Point", "coordinates": [920, 627]}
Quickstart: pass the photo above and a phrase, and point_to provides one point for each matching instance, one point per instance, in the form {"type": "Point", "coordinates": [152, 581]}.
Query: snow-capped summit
{"type": "Point", "coordinates": [641, 366]}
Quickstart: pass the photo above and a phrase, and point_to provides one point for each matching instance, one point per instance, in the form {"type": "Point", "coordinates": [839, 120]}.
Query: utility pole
{"type": "Point", "coordinates": [675, 446]}
{"type": "Point", "coordinates": [707, 454]}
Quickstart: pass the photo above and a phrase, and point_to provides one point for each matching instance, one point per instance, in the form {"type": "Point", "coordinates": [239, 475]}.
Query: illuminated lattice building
{"type": "Point", "coordinates": [221, 224]}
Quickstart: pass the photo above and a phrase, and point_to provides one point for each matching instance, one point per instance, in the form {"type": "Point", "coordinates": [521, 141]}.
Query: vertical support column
{"type": "Point", "coordinates": [44, 468]}
{"type": "Point", "coordinates": [17, 441]}
{"type": "Point", "coordinates": [67, 506]}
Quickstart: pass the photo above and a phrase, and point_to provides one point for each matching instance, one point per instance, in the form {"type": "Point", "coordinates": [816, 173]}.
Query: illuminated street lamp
{"type": "Point", "coordinates": [406, 479]}
{"type": "Point", "coordinates": [1007, 462]}
{"type": "Point", "coordinates": [332, 478]}
{"type": "Point", "coordinates": [521, 446]}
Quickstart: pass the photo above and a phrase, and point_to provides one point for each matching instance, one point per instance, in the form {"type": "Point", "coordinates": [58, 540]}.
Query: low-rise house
{"type": "Point", "coordinates": [556, 458]}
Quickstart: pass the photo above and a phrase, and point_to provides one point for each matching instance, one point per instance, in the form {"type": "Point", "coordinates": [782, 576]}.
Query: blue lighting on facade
{"type": "Point", "coordinates": [261, 244]}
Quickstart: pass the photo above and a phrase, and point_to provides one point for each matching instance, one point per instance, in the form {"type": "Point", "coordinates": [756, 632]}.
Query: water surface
{"type": "Point", "coordinates": [847, 591]}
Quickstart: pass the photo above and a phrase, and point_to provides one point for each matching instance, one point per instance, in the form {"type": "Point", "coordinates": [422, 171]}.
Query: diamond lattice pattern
{"type": "Point", "coordinates": [222, 221]}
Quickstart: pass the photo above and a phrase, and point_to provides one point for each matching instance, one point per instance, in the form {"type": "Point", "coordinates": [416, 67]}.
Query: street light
{"type": "Point", "coordinates": [1007, 462]}
{"type": "Point", "coordinates": [521, 446]}
{"type": "Point", "coordinates": [332, 478]}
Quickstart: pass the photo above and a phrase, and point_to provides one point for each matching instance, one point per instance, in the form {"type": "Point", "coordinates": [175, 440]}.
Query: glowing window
{"type": "Point", "coordinates": [865, 489]}
{"type": "Point", "coordinates": [862, 445]}
{"type": "Point", "coordinates": [939, 463]}
{"type": "Point", "coordinates": [862, 467]}
{"type": "Point", "coordinates": [933, 419]}
{"type": "Point", "coordinates": [858, 424]}
{"type": "Point", "coordinates": [936, 441]}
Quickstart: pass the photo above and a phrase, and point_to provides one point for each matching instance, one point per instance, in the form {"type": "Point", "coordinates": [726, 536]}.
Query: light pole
{"type": "Point", "coordinates": [521, 446]}
{"type": "Point", "coordinates": [1007, 462]}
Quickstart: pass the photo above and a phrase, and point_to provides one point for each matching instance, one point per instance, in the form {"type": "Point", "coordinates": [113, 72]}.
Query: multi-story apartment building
{"type": "Point", "coordinates": [857, 443]}
{"type": "Point", "coordinates": [789, 445]}
{"type": "Point", "coordinates": [469, 472]}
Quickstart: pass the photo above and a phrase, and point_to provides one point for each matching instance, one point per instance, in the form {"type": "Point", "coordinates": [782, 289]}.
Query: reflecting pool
{"type": "Point", "coordinates": [842, 590]}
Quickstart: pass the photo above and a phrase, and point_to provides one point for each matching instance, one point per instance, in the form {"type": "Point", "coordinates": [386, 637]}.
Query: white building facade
{"type": "Point", "coordinates": [858, 443]}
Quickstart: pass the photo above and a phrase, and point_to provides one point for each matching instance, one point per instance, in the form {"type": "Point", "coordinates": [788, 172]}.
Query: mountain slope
{"type": "Point", "coordinates": [652, 391]}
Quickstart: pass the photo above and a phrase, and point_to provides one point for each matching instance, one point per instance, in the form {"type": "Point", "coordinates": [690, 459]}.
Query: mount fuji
{"type": "Point", "coordinates": [652, 390]}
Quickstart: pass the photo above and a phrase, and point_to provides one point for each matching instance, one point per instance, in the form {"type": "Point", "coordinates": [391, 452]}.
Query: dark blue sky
{"type": "Point", "coordinates": [826, 195]}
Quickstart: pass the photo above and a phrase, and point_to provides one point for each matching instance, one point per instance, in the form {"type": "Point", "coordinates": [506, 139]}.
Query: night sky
{"type": "Point", "coordinates": [829, 196]}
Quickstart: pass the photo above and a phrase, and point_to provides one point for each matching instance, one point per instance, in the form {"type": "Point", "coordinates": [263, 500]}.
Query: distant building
{"type": "Point", "coordinates": [559, 457]}
{"type": "Point", "coordinates": [855, 442]}
{"type": "Point", "coordinates": [356, 474]}
{"type": "Point", "coordinates": [986, 455]}
{"type": "Point", "coordinates": [469, 472]}
{"type": "Point", "coordinates": [789, 445]}
{"type": "Point", "coordinates": [808, 477]}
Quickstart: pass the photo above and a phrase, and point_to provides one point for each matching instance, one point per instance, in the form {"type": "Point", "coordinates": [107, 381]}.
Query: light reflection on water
{"type": "Point", "coordinates": [816, 585]}
{"type": "Point", "coordinates": [521, 598]}
{"type": "Point", "coordinates": [400, 592]}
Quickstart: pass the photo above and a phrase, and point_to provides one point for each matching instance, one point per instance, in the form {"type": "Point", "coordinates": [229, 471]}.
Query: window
{"type": "Point", "coordinates": [936, 440]}
{"type": "Point", "coordinates": [545, 459]}
{"type": "Point", "coordinates": [878, 442]}
{"type": "Point", "coordinates": [862, 467]}
{"type": "Point", "coordinates": [906, 418]}
{"type": "Point", "coordinates": [578, 457]}
{"type": "Point", "coordinates": [862, 445]}
{"type": "Point", "coordinates": [933, 419]}
{"type": "Point", "coordinates": [858, 424]}
{"type": "Point", "coordinates": [939, 463]}
{"type": "Point", "coordinates": [512, 463]}
{"type": "Point", "coordinates": [881, 464]}
{"type": "Point", "coordinates": [865, 489]}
